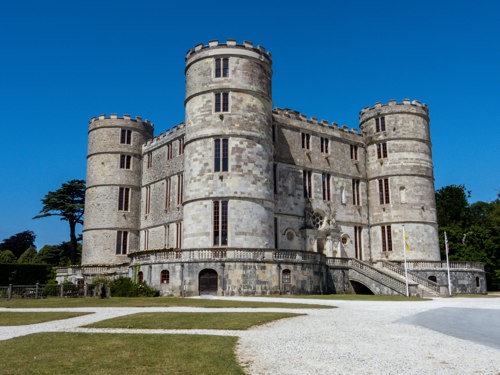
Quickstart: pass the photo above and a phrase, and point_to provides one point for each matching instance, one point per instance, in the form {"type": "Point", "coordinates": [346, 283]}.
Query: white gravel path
{"type": "Point", "coordinates": [358, 337]}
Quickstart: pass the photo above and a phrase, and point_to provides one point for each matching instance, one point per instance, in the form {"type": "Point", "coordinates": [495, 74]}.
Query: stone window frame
{"type": "Point", "coordinates": [169, 151]}
{"type": "Point", "coordinates": [221, 67]}
{"type": "Point", "coordinates": [165, 277]}
{"type": "Point", "coordinates": [307, 183]}
{"type": "Point", "coordinates": [384, 191]}
{"type": "Point", "coordinates": [222, 102]}
{"type": "Point", "coordinates": [149, 160]}
{"type": "Point", "coordinates": [181, 146]}
{"type": "Point", "coordinates": [180, 189]}
{"type": "Point", "coordinates": [354, 152]}
{"type": "Point", "coordinates": [221, 155]}
{"type": "Point", "coordinates": [358, 242]}
{"type": "Point", "coordinates": [168, 187]}
{"type": "Point", "coordinates": [125, 136]}
{"type": "Point", "coordinates": [386, 236]}
{"type": "Point", "coordinates": [306, 141]}
{"type": "Point", "coordinates": [286, 276]}
{"type": "Point", "coordinates": [146, 239]}
{"type": "Point", "coordinates": [324, 145]}
{"type": "Point", "coordinates": [178, 235]}
{"type": "Point", "coordinates": [125, 161]}
{"type": "Point", "coordinates": [326, 186]}
{"type": "Point", "coordinates": [356, 195]}
{"type": "Point", "coordinates": [147, 201]}
{"type": "Point", "coordinates": [220, 223]}
{"type": "Point", "coordinates": [124, 194]}
{"type": "Point", "coordinates": [382, 150]}
{"type": "Point", "coordinates": [380, 124]}
{"type": "Point", "coordinates": [121, 242]}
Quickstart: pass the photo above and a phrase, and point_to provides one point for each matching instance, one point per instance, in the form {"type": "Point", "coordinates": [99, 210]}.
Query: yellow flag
{"type": "Point", "coordinates": [406, 244]}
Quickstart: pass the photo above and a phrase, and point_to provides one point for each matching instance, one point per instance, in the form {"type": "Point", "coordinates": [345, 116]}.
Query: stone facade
{"type": "Point", "coordinates": [246, 199]}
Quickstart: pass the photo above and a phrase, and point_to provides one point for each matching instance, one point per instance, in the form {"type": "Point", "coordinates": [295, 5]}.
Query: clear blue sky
{"type": "Point", "coordinates": [63, 62]}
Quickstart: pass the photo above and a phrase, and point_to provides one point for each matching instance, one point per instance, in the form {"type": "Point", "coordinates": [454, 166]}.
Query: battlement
{"type": "Point", "coordinates": [125, 117]}
{"type": "Point", "coordinates": [292, 114]}
{"type": "Point", "coordinates": [168, 135]}
{"type": "Point", "coordinates": [393, 105]}
{"type": "Point", "coordinates": [230, 43]}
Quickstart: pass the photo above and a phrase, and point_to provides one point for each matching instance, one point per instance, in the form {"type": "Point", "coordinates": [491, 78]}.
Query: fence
{"type": "Point", "coordinates": [37, 291]}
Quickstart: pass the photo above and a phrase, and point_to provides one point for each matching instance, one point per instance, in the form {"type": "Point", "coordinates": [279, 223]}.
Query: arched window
{"type": "Point", "coordinates": [165, 277]}
{"type": "Point", "coordinates": [433, 278]}
{"type": "Point", "coordinates": [140, 277]}
{"type": "Point", "coordinates": [286, 276]}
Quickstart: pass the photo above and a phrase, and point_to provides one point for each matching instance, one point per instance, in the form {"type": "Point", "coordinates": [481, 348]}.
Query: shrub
{"type": "Point", "coordinates": [125, 287]}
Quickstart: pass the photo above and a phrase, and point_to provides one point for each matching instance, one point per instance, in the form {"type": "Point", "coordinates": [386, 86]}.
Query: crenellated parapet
{"type": "Point", "coordinates": [115, 118]}
{"type": "Point", "coordinates": [314, 121]}
{"type": "Point", "coordinates": [167, 136]}
{"type": "Point", "coordinates": [393, 107]}
{"type": "Point", "coordinates": [245, 48]}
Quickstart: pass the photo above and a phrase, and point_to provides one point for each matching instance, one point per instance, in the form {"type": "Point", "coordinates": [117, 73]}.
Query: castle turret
{"type": "Point", "coordinates": [401, 182]}
{"type": "Point", "coordinates": [113, 195]}
{"type": "Point", "coordinates": [229, 199]}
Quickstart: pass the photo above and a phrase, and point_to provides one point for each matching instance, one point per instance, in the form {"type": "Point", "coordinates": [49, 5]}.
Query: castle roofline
{"type": "Point", "coordinates": [394, 103]}
{"type": "Point", "coordinates": [114, 116]}
{"type": "Point", "coordinates": [231, 43]}
{"type": "Point", "coordinates": [167, 135]}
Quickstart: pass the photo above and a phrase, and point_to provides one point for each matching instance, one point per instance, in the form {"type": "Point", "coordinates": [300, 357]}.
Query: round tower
{"type": "Point", "coordinates": [112, 198]}
{"type": "Point", "coordinates": [229, 199]}
{"type": "Point", "coordinates": [400, 181]}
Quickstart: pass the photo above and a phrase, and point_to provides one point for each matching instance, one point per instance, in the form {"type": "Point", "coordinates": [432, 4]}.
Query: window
{"type": "Point", "coordinates": [125, 161]}
{"type": "Point", "coordinates": [357, 243]}
{"type": "Point", "coordinates": [386, 234]}
{"type": "Point", "coordinates": [147, 208]}
{"type": "Point", "coordinates": [123, 199]}
{"type": "Point", "coordinates": [181, 146]}
{"type": "Point", "coordinates": [221, 102]}
{"type": "Point", "coordinates": [178, 235]}
{"type": "Point", "coordinates": [126, 137]}
{"type": "Point", "coordinates": [276, 239]}
{"type": "Point", "coordinates": [166, 236]}
{"type": "Point", "coordinates": [275, 178]}
{"type": "Point", "coordinates": [165, 277]}
{"type": "Point", "coordinates": [307, 182]}
{"type": "Point", "coordinates": [221, 155]}
{"type": "Point", "coordinates": [356, 199]}
{"type": "Point", "coordinates": [354, 152]}
{"type": "Point", "coordinates": [167, 193]}
{"type": "Point", "coordinates": [380, 124]}
{"type": "Point", "coordinates": [306, 141]}
{"type": "Point", "coordinates": [325, 184]}
{"type": "Point", "coordinates": [146, 239]}
{"type": "Point", "coordinates": [179, 189]}
{"type": "Point", "coordinates": [169, 151]}
{"type": "Point", "coordinates": [381, 150]}
{"type": "Point", "coordinates": [121, 242]}
{"type": "Point", "coordinates": [220, 223]}
{"type": "Point", "coordinates": [149, 162]}
{"type": "Point", "coordinates": [221, 68]}
{"type": "Point", "coordinates": [286, 277]}
{"type": "Point", "coordinates": [383, 191]}
{"type": "Point", "coordinates": [325, 145]}
{"type": "Point", "coordinates": [140, 277]}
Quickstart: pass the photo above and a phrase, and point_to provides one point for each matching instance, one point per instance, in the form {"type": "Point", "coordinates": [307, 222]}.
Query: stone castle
{"type": "Point", "coordinates": [243, 198]}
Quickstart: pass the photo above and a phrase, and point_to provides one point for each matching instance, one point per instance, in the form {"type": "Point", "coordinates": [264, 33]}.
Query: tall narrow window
{"type": "Point", "coordinates": [166, 237]}
{"type": "Point", "coordinates": [276, 239]}
{"type": "Point", "coordinates": [147, 208]}
{"type": "Point", "coordinates": [149, 162]}
{"type": "Point", "coordinates": [306, 141]}
{"type": "Point", "coordinates": [146, 239]}
{"type": "Point", "coordinates": [123, 199]}
{"type": "Point", "coordinates": [383, 191]}
{"type": "Point", "coordinates": [178, 235]}
{"type": "Point", "coordinates": [380, 124]}
{"type": "Point", "coordinates": [221, 102]}
{"type": "Point", "coordinates": [325, 145]}
{"type": "Point", "coordinates": [381, 150]}
{"type": "Point", "coordinates": [286, 276]}
{"type": "Point", "coordinates": [355, 193]}
{"type": "Point", "coordinates": [358, 248]}
{"type": "Point", "coordinates": [121, 242]}
{"type": "Point", "coordinates": [180, 189]}
{"type": "Point", "coordinates": [220, 223]}
{"type": "Point", "coordinates": [354, 152]}
{"type": "Point", "coordinates": [165, 277]}
{"type": "Point", "coordinates": [386, 234]}
{"type": "Point", "coordinates": [169, 151]}
{"type": "Point", "coordinates": [125, 161]}
{"type": "Point", "coordinates": [275, 178]}
{"type": "Point", "coordinates": [167, 193]}
{"type": "Point", "coordinates": [325, 183]}
{"type": "Point", "coordinates": [125, 137]}
{"type": "Point", "coordinates": [221, 155]}
{"type": "Point", "coordinates": [181, 145]}
{"type": "Point", "coordinates": [221, 68]}
{"type": "Point", "coordinates": [307, 182]}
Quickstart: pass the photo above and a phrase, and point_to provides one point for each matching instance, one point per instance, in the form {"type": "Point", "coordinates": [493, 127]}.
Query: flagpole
{"type": "Point", "coordinates": [447, 262]}
{"type": "Point", "coordinates": [406, 267]}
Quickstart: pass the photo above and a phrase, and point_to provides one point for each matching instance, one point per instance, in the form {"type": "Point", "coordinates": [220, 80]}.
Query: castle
{"type": "Point", "coordinates": [243, 198]}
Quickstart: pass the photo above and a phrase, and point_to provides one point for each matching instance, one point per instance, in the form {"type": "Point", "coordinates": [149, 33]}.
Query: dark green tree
{"type": "Point", "coordinates": [67, 202]}
{"type": "Point", "coordinates": [19, 242]}
{"type": "Point", "coordinates": [452, 206]}
{"type": "Point", "coordinates": [29, 256]}
{"type": "Point", "coordinates": [7, 256]}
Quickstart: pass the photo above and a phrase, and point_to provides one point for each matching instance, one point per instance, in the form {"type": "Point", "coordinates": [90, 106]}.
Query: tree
{"type": "Point", "coordinates": [29, 256]}
{"type": "Point", "coordinates": [7, 256]}
{"type": "Point", "coordinates": [67, 202]}
{"type": "Point", "coordinates": [452, 205]}
{"type": "Point", "coordinates": [19, 243]}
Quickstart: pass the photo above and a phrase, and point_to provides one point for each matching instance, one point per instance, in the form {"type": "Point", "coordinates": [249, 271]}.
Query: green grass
{"type": "Point", "coordinates": [109, 354]}
{"type": "Point", "coordinates": [147, 302]}
{"type": "Point", "coordinates": [232, 321]}
{"type": "Point", "coordinates": [24, 318]}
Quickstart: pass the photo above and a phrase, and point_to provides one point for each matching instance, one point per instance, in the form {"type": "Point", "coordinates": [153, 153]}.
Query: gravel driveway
{"type": "Point", "coordinates": [440, 336]}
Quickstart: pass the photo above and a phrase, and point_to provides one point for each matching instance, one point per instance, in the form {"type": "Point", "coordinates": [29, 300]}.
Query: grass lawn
{"type": "Point", "coordinates": [237, 321]}
{"type": "Point", "coordinates": [24, 318]}
{"type": "Point", "coordinates": [108, 354]}
{"type": "Point", "coordinates": [147, 302]}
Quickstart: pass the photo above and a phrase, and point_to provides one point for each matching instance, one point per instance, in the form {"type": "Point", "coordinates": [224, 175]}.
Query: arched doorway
{"type": "Point", "coordinates": [208, 282]}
